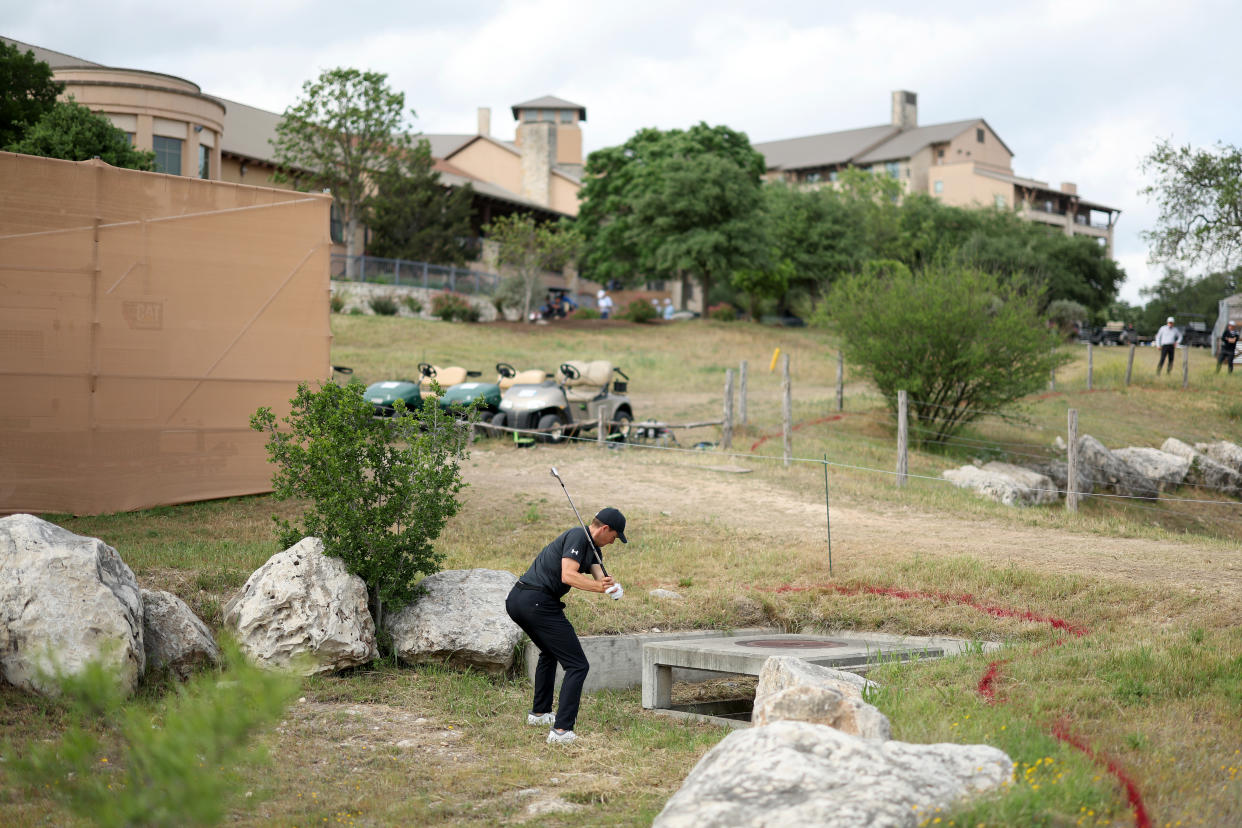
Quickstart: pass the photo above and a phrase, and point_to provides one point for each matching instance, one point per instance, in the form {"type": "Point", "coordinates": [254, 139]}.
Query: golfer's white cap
{"type": "Point", "coordinates": [599, 293]}
{"type": "Point", "coordinates": [1231, 322]}
{"type": "Point", "coordinates": [1170, 319]}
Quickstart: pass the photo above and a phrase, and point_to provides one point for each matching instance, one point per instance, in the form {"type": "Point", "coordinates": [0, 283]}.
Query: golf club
{"type": "Point", "coordinates": [598, 552]}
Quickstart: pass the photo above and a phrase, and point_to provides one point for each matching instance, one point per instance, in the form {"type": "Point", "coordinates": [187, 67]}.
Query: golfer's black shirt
{"type": "Point", "coordinates": [1228, 340]}
{"type": "Point", "coordinates": [545, 572]}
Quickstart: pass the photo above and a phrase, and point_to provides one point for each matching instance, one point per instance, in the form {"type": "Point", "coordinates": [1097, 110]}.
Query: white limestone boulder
{"type": "Point", "coordinates": [1004, 483]}
{"type": "Point", "coordinates": [792, 689]}
{"type": "Point", "coordinates": [174, 637]}
{"type": "Point", "coordinates": [1037, 489]}
{"type": "Point", "coordinates": [303, 611]}
{"type": "Point", "coordinates": [65, 601]}
{"type": "Point", "coordinates": [795, 773]}
{"type": "Point", "coordinates": [1204, 471]}
{"type": "Point", "coordinates": [1223, 452]}
{"type": "Point", "coordinates": [1162, 469]}
{"type": "Point", "coordinates": [1109, 472]}
{"type": "Point", "coordinates": [459, 619]}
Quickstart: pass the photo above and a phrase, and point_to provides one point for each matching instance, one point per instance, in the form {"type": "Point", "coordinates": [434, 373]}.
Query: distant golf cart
{"type": "Point", "coordinates": [570, 404]}
{"type": "Point", "coordinates": [384, 395]}
{"type": "Point", "coordinates": [488, 393]}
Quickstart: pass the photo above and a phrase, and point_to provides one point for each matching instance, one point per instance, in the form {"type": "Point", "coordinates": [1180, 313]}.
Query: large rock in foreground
{"type": "Point", "coordinates": [1004, 483]}
{"type": "Point", "coordinates": [791, 689]}
{"type": "Point", "coordinates": [174, 637]}
{"type": "Point", "coordinates": [792, 773]}
{"type": "Point", "coordinates": [459, 620]}
{"type": "Point", "coordinates": [1162, 469]}
{"type": "Point", "coordinates": [303, 611]}
{"type": "Point", "coordinates": [1109, 472]}
{"type": "Point", "coordinates": [1204, 471]}
{"type": "Point", "coordinates": [1223, 452]}
{"type": "Point", "coordinates": [65, 600]}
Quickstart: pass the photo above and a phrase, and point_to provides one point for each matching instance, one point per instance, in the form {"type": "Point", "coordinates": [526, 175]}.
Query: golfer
{"type": "Point", "coordinates": [534, 604]}
{"type": "Point", "coordinates": [1167, 338]}
{"type": "Point", "coordinates": [1228, 346]}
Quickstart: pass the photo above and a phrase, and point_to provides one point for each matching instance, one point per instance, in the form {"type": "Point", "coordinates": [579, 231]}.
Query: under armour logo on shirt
{"type": "Point", "coordinates": [573, 552]}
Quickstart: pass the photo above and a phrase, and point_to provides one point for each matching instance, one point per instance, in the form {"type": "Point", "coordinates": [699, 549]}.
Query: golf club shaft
{"type": "Point", "coordinates": [598, 554]}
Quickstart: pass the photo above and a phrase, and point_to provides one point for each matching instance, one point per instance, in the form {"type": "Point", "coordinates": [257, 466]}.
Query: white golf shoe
{"type": "Point", "coordinates": [561, 737]}
{"type": "Point", "coordinates": [540, 718]}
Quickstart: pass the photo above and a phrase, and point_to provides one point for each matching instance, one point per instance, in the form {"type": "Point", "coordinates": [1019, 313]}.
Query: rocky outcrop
{"type": "Point", "coordinates": [1204, 471]}
{"type": "Point", "coordinates": [1108, 472]}
{"type": "Point", "coordinates": [303, 611]}
{"type": "Point", "coordinates": [791, 689]}
{"type": "Point", "coordinates": [1004, 483]}
{"type": "Point", "coordinates": [794, 773]}
{"type": "Point", "coordinates": [459, 619]}
{"type": "Point", "coordinates": [65, 601]}
{"type": "Point", "coordinates": [174, 637]}
{"type": "Point", "coordinates": [1058, 472]}
{"type": "Point", "coordinates": [1223, 452]}
{"type": "Point", "coordinates": [1161, 469]}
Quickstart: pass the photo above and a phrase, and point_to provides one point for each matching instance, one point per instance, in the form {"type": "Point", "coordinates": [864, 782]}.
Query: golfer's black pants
{"type": "Point", "coordinates": [1225, 357]}
{"type": "Point", "coordinates": [542, 617]}
{"type": "Point", "coordinates": [1166, 352]}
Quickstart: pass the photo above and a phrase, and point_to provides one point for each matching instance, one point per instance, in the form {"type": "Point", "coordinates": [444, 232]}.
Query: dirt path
{"type": "Point", "coordinates": [685, 489]}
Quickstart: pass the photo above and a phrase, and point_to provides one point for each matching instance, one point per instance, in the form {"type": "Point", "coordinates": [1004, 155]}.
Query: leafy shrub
{"type": "Point", "coordinates": [722, 313]}
{"type": "Point", "coordinates": [412, 304]}
{"type": "Point", "coordinates": [449, 306]}
{"type": "Point", "coordinates": [640, 311]}
{"type": "Point", "coordinates": [337, 302]}
{"type": "Point", "coordinates": [384, 304]}
{"type": "Point", "coordinates": [587, 313]}
{"type": "Point", "coordinates": [1065, 312]}
{"type": "Point", "coordinates": [379, 490]}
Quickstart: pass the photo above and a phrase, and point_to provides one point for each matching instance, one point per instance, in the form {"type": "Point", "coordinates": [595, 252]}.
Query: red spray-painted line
{"type": "Point", "coordinates": [987, 684]}
{"type": "Point", "coordinates": [1060, 730]}
{"type": "Point", "coordinates": [797, 426]}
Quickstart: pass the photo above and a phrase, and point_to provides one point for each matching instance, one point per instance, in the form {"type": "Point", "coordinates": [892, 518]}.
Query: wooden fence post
{"type": "Point", "coordinates": [787, 408]}
{"type": "Point", "coordinates": [903, 460]}
{"type": "Point", "coordinates": [1130, 364]}
{"type": "Point", "coordinates": [1071, 484]}
{"type": "Point", "coordinates": [1185, 367]}
{"type": "Point", "coordinates": [599, 438]}
{"type": "Point", "coordinates": [741, 394]}
{"type": "Point", "coordinates": [1090, 364]}
{"type": "Point", "coordinates": [840, 382]}
{"type": "Point", "coordinates": [726, 432]}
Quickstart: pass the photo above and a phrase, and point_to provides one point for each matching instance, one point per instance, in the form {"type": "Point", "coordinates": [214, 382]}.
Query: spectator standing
{"type": "Point", "coordinates": [1228, 347]}
{"type": "Point", "coordinates": [1167, 338]}
{"type": "Point", "coordinates": [604, 301]}
{"type": "Point", "coordinates": [669, 310]}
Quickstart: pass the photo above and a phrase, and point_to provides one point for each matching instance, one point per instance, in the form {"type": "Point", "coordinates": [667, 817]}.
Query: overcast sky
{"type": "Point", "coordinates": [1080, 90]}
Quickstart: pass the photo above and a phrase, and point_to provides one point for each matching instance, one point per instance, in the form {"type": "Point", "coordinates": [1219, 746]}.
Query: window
{"type": "Point", "coordinates": [567, 116]}
{"type": "Point", "coordinates": [833, 175]}
{"type": "Point", "coordinates": [529, 114]}
{"type": "Point", "coordinates": [938, 187]}
{"type": "Point", "coordinates": [940, 153]}
{"type": "Point", "coordinates": [979, 135]}
{"type": "Point", "coordinates": [1048, 206]}
{"type": "Point", "coordinates": [893, 169]}
{"type": "Point", "coordinates": [335, 230]}
{"type": "Point", "coordinates": [999, 201]}
{"type": "Point", "coordinates": [204, 161]}
{"type": "Point", "coordinates": [167, 154]}
{"type": "Point", "coordinates": [130, 136]}
{"type": "Point", "coordinates": [813, 178]}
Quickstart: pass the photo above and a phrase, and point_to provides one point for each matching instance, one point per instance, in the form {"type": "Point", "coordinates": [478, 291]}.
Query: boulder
{"type": "Point", "coordinates": [1204, 471]}
{"type": "Point", "coordinates": [303, 611]}
{"type": "Point", "coordinates": [459, 619]}
{"type": "Point", "coordinates": [1109, 472]}
{"type": "Point", "coordinates": [65, 601]}
{"type": "Point", "coordinates": [792, 689]}
{"type": "Point", "coordinates": [1223, 452]}
{"type": "Point", "coordinates": [795, 773]}
{"type": "Point", "coordinates": [174, 637]}
{"type": "Point", "coordinates": [1162, 469]}
{"type": "Point", "coordinates": [1002, 485]}
{"type": "Point", "coordinates": [1058, 472]}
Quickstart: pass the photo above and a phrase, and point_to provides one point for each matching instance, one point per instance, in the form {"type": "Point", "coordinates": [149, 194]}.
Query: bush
{"type": "Point", "coordinates": [383, 304]}
{"type": "Point", "coordinates": [722, 313]}
{"type": "Point", "coordinates": [412, 304]}
{"type": "Point", "coordinates": [379, 490]}
{"type": "Point", "coordinates": [355, 311]}
{"type": "Point", "coordinates": [587, 313]}
{"type": "Point", "coordinates": [337, 302]}
{"type": "Point", "coordinates": [960, 341]}
{"type": "Point", "coordinates": [640, 311]}
{"type": "Point", "coordinates": [449, 306]}
{"type": "Point", "coordinates": [1064, 313]}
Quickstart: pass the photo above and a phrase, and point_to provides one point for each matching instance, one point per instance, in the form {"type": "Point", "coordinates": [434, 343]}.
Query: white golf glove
{"type": "Point", "coordinates": [615, 592]}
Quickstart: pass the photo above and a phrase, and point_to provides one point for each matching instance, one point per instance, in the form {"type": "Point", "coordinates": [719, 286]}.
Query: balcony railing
{"type": "Point", "coordinates": [401, 272]}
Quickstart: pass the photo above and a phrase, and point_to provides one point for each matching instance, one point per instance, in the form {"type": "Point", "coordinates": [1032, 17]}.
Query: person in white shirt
{"type": "Point", "coordinates": [1167, 338]}
{"type": "Point", "coordinates": [604, 301]}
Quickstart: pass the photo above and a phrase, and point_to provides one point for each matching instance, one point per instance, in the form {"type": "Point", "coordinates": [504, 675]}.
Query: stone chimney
{"type": "Point", "coordinates": [485, 121]}
{"type": "Point", "coordinates": [905, 109]}
{"type": "Point", "coordinates": [536, 141]}
{"type": "Point", "coordinates": [1069, 188]}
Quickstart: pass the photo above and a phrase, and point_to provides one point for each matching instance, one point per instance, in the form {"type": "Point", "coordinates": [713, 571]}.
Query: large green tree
{"type": "Point", "coordinates": [1193, 298]}
{"type": "Point", "coordinates": [1199, 195]}
{"type": "Point", "coordinates": [71, 131]}
{"type": "Point", "coordinates": [27, 92]}
{"type": "Point", "coordinates": [412, 215]}
{"type": "Point", "coordinates": [347, 126]}
{"type": "Point", "coordinates": [679, 204]}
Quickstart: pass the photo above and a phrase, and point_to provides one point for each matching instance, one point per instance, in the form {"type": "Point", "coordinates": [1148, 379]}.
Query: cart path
{"type": "Point", "coordinates": [642, 485]}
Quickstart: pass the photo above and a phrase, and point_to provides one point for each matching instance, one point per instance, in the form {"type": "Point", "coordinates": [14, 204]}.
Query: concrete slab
{"type": "Point", "coordinates": [746, 654]}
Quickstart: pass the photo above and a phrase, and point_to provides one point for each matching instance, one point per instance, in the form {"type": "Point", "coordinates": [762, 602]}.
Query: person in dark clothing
{"type": "Point", "coordinates": [534, 604]}
{"type": "Point", "coordinates": [1228, 347]}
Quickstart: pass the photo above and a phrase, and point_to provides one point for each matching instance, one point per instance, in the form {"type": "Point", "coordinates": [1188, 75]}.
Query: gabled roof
{"type": "Point", "coordinates": [443, 145]}
{"type": "Point", "coordinates": [550, 102]}
{"type": "Point", "coordinates": [911, 141]}
{"type": "Point", "coordinates": [826, 148]}
{"type": "Point", "coordinates": [57, 60]}
{"type": "Point", "coordinates": [470, 139]}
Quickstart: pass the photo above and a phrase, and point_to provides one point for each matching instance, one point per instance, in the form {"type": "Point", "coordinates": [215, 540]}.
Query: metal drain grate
{"type": "Point", "coordinates": [790, 644]}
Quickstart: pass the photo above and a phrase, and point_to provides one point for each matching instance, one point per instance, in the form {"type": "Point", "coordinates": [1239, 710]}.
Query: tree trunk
{"type": "Point", "coordinates": [528, 285]}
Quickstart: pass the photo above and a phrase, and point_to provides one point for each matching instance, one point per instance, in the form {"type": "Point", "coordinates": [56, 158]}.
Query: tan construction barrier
{"type": "Point", "coordinates": [143, 319]}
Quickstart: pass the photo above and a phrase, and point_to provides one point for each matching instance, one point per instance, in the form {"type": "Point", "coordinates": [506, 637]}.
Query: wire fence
{"type": "Point", "coordinates": [400, 272]}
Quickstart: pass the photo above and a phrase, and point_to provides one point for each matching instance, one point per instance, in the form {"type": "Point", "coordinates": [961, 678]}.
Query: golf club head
{"type": "Point", "coordinates": [554, 474]}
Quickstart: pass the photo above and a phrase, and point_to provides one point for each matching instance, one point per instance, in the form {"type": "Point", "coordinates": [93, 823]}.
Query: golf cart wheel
{"type": "Point", "coordinates": [555, 429]}
{"type": "Point", "coordinates": [621, 430]}
{"type": "Point", "coordinates": [498, 422]}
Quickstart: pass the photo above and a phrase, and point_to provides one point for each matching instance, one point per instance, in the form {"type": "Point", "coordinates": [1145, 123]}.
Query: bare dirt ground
{"type": "Point", "coordinates": [680, 485]}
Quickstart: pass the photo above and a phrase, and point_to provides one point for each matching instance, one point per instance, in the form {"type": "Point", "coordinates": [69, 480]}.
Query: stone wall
{"type": "Point", "coordinates": [358, 294]}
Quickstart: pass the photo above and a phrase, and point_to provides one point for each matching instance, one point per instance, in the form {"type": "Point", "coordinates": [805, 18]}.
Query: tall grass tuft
{"type": "Point", "coordinates": [383, 304]}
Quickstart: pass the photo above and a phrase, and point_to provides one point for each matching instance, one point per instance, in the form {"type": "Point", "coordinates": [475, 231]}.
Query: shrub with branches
{"type": "Point", "coordinates": [640, 311]}
{"type": "Point", "coordinates": [383, 304]}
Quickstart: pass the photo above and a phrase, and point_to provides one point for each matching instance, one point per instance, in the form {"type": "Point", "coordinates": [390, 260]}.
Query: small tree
{"type": "Point", "coordinates": [413, 216]}
{"type": "Point", "coordinates": [961, 342]}
{"type": "Point", "coordinates": [380, 490]}
{"type": "Point", "coordinates": [531, 248]}
{"type": "Point", "coordinates": [71, 131]}
{"type": "Point", "coordinates": [27, 92]}
{"type": "Point", "coordinates": [347, 126]}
